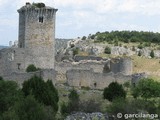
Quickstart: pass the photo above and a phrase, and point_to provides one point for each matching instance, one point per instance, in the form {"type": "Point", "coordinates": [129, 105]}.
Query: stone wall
{"type": "Point", "coordinates": [47, 74]}
{"type": "Point", "coordinates": [63, 67]}
{"type": "Point", "coordinates": [88, 78]}
{"type": "Point", "coordinates": [11, 60]}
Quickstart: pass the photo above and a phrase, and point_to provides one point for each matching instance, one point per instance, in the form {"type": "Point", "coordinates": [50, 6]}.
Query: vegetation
{"type": "Point", "coordinates": [1, 78]}
{"type": "Point", "coordinates": [147, 88]}
{"type": "Point", "coordinates": [31, 68]}
{"type": "Point", "coordinates": [9, 93]}
{"type": "Point", "coordinates": [37, 100]}
{"type": "Point", "coordinates": [75, 51]}
{"type": "Point", "coordinates": [152, 54]}
{"type": "Point", "coordinates": [84, 38]}
{"type": "Point", "coordinates": [18, 104]}
{"type": "Point", "coordinates": [44, 92]}
{"type": "Point", "coordinates": [26, 109]}
{"type": "Point", "coordinates": [39, 5]}
{"type": "Point", "coordinates": [107, 50]}
{"type": "Point", "coordinates": [128, 36]}
{"type": "Point", "coordinates": [114, 91]}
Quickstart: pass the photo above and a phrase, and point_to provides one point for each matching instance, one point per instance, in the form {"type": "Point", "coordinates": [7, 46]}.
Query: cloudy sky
{"type": "Point", "coordinates": [76, 18]}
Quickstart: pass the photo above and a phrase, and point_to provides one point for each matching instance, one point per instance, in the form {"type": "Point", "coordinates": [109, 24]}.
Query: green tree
{"type": "Point", "coordinates": [9, 94]}
{"type": "Point", "coordinates": [129, 106]}
{"type": "Point", "coordinates": [113, 91]}
{"type": "Point", "coordinates": [1, 78]}
{"type": "Point", "coordinates": [26, 109]}
{"type": "Point", "coordinates": [44, 92]}
{"type": "Point", "coordinates": [152, 54]}
{"type": "Point", "coordinates": [147, 88]}
{"type": "Point", "coordinates": [73, 104]}
{"type": "Point", "coordinates": [107, 50]}
{"type": "Point", "coordinates": [73, 96]}
{"type": "Point", "coordinates": [84, 38]}
{"type": "Point", "coordinates": [31, 68]}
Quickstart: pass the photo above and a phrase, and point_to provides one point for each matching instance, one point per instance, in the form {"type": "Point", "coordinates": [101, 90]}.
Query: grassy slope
{"type": "Point", "coordinates": [150, 66]}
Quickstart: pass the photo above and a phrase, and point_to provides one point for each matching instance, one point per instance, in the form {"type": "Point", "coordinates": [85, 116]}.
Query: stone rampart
{"type": "Point", "coordinates": [89, 78]}
{"type": "Point", "coordinates": [47, 74]}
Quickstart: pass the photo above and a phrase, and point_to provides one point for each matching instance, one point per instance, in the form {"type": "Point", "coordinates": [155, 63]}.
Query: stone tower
{"type": "Point", "coordinates": [37, 34]}
{"type": "Point", "coordinates": [121, 65]}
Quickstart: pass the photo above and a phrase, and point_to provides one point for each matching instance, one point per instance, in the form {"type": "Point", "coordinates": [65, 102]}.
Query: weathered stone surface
{"type": "Point", "coordinates": [137, 76]}
{"type": "Point", "coordinates": [87, 116]}
{"type": "Point", "coordinates": [116, 50]}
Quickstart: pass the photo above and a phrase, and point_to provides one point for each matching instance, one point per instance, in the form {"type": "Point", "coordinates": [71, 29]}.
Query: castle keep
{"type": "Point", "coordinates": [37, 34]}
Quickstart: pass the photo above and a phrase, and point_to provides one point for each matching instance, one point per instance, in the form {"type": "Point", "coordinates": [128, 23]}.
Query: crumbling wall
{"type": "Point", "coordinates": [11, 60]}
{"type": "Point", "coordinates": [89, 78]}
{"type": "Point", "coordinates": [47, 74]}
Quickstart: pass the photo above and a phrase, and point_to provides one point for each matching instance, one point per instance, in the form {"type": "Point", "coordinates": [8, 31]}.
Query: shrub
{"type": "Point", "coordinates": [140, 46]}
{"type": "Point", "coordinates": [73, 104]}
{"type": "Point", "coordinates": [113, 91]}
{"type": "Point", "coordinates": [39, 5]}
{"type": "Point", "coordinates": [147, 88]}
{"type": "Point", "coordinates": [139, 53]}
{"type": "Point", "coordinates": [84, 38]}
{"type": "Point", "coordinates": [31, 68]}
{"type": "Point", "coordinates": [90, 106]}
{"type": "Point", "coordinates": [152, 54]}
{"type": "Point", "coordinates": [107, 50]}
{"type": "Point", "coordinates": [43, 92]}
{"type": "Point", "coordinates": [132, 106]}
{"type": "Point", "coordinates": [64, 109]}
{"type": "Point", "coordinates": [1, 78]}
{"type": "Point", "coordinates": [75, 51]}
{"type": "Point", "coordinates": [9, 94]}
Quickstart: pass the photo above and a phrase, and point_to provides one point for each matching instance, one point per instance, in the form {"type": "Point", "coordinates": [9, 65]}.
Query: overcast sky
{"type": "Point", "coordinates": [76, 18]}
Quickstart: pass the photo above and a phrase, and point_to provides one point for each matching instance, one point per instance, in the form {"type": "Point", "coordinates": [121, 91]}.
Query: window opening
{"type": "Point", "coordinates": [41, 19]}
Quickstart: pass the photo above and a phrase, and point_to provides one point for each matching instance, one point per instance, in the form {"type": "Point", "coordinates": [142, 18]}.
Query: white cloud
{"type": "Point", "coordinates": [81, 16]}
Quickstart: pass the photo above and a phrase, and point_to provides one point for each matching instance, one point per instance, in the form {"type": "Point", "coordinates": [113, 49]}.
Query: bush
{"type": "Point", "coordinates": [75, 51]}
{"type": "Point", "coordinates": [31, 68]}
{"type": "Point", "coordinates": [39, 5]}
{"type": "Point", "coordinates": [84, 38]}
{"type": "Point", "coordinates": [113, 91]}
{"type": "Point", "coordinates": [64, 109]}
{"type": "Point", "coordinates": [140, 46]}
{"type": "Point", "coordinates": [139, 53]}
{"type": "Point", "coordinates": [9, 94]}
{"type": "Point", "coordinates": [132, 106]}
{"type": "Point", "coordinates": [44, 92]}
{"type": "Point", "coordinates": [26, 109]}
{"type": "Point", "coordinates": [73, 104]}
{"type": "Point", "coordinates": [107, 50]}
{"type": "Point", "coordinates": [89, 106]}
{"type": "Point", "coordinates": [147, 88]}
{"type": "Point", "coordinates": [1, 78]}
{"type": "Point", "coordinates": [152, 54]}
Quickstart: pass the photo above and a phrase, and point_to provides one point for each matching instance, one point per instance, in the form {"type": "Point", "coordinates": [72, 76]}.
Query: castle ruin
{"type": "Point", "coordinates": [36, 46]}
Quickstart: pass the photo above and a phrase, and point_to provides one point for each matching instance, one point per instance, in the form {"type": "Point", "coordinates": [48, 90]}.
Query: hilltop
{"type": "Point", "coordinates": [142, 47]}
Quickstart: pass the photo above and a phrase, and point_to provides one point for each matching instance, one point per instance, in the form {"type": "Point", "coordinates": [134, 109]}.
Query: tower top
{"type": "Point", "coordinates": [35, 6]}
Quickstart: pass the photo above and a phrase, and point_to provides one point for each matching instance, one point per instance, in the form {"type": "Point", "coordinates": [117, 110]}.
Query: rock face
{"type": "Point", "coordinates": [116, 50]}
{"type": "Point", "coordinates": [88, 116]}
